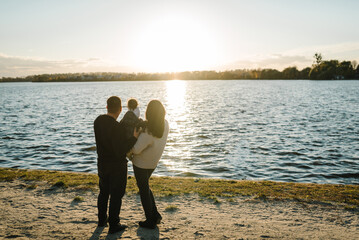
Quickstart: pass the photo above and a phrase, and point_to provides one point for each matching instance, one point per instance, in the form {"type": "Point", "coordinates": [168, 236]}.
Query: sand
{"type": "Point", "coordinates": [48, 212]}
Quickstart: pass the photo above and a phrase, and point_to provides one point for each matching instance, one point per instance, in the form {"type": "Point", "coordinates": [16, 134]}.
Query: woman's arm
{"type": "Point", "coordinates": [143, 141]}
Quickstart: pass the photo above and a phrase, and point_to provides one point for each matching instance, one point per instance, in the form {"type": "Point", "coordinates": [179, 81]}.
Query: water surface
{"type": "Point", "coordinates": [294, 131]}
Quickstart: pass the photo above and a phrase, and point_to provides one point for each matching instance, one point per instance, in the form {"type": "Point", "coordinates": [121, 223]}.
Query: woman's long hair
{"type": "Point", "coordinates": [155, 115]}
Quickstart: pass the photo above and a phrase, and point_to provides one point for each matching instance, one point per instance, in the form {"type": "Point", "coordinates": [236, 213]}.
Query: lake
{"type": "Point", "coordinates": [292, 131]}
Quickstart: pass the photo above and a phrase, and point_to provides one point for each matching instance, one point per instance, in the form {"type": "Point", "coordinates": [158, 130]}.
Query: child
{"type": "Point", "coordinates": [132, 105]}
{"type": "Point", "coordinates": [131, 119]}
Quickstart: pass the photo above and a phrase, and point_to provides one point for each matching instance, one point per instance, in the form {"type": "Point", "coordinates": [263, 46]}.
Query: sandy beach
{"type": "Point", "coordinates": [47, 212]}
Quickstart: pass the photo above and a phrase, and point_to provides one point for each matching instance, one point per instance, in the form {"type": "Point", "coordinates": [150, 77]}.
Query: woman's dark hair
{"type": "Point", "coordinates": [155, 115]}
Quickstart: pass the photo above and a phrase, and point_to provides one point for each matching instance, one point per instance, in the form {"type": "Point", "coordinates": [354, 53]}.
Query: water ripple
{"type": "Point", "coordinates": [299, 131]}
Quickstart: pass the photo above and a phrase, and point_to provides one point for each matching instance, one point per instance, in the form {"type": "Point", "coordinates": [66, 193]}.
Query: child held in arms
{"type": "Point", "coordinates": [131, 119]}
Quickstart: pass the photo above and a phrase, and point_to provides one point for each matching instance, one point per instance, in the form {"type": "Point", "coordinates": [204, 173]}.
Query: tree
{"type": "Point", "coordinates": [304, 74]}
{"type": "Point", "coordinates": [326, 70]}
{"type": "Point", "coordinates": [270, 74]}
{"type": "Point", "coordinates": [346, 70]}
{"type": "Point", "coordinates": [290, 73]}
{"type": "Point", "coordinates": [318, 59]}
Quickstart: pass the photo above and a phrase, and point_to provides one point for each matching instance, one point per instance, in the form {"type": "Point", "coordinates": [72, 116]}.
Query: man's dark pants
{"type": "Point", "coordinates": [112, 185]}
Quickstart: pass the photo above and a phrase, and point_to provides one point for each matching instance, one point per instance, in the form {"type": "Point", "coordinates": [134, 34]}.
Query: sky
{"type": "Point", "coordinates": [64, 36]}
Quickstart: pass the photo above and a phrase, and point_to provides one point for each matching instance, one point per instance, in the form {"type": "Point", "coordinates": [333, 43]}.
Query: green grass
{"type": "Point", "coordinates": [55, 178]}
{"type": "Point", "coordinates": [31, 186]}
{"type": "Point", "coordinates": [209, 188]}
{"type": "Point", "coordinates": [60, 183]}
{"type": "Point", "coordinates": [215, 199]}
{"type": "Point", "coordinates": [171, 208]}
{"type": "Point", "coordinates": [78, 199]}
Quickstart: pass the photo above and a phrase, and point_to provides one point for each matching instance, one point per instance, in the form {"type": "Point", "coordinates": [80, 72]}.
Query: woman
{"type": "Point", "coordinates": [146, 154]}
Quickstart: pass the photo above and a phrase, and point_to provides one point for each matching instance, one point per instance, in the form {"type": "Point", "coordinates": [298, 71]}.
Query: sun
{"type": "Point", "coordinates": [175, 43]}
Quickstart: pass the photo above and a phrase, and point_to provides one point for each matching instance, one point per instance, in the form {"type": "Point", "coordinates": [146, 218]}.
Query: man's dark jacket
{"type": "Point", "coordinates": [111, 143]}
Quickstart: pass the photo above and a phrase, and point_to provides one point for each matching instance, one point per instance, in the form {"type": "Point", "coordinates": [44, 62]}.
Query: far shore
{"type": "Point", "coordinates": [37, 204]}
{"type": "Point", "coordinates": [157, 80]}
{"type": "Point", "coordinates": [320, 70]}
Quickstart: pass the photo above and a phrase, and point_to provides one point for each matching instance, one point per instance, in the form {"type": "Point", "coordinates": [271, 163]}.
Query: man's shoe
{"type": "Point", "coordinates": [116, 228]}
{"type": "Point", "coordinates": [102, 223]}
{"type": "Point", "coordinates": [147, 224]}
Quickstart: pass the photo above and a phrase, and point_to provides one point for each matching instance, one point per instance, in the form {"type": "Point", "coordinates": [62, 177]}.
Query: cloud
{"type": "Point", "coordinates": [276, 61]}
{"type": "Point", "coordinates": [299, 57]}
{"type": "Point", "coordinates": [13, 66]}
{"type": "Point", "coordinates": [330, 50]}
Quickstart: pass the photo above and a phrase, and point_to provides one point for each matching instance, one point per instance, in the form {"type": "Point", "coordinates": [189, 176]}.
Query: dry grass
{"type": "Point", "coordinates": [55, 178]}
{"type": "Point", "coordinates": [209, 188]}
{"type": "Point", "coordinates": [78, 199]}
{"type": "Point", "coordinates": [171, 208]}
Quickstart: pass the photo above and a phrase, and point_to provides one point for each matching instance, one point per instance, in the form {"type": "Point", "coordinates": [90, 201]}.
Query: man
{"type": "Point", "coordinates": [112, 146]}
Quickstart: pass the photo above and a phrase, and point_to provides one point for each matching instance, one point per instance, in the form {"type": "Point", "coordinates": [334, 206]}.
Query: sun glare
{"type": "Point", "coordinates": [176, 115]}
{"type": "Point", "coordinates": [175, 94]}
{"type": "Point", "coordinates": [175, 43]}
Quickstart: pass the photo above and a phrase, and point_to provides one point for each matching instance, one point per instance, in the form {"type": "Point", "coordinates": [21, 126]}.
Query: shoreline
{"type": "Point", "coordinates": [38, 204]}
{"type": "Point", "coordinates": [211, 188]}
{"type": "Point", "coordinates": [157, 80]}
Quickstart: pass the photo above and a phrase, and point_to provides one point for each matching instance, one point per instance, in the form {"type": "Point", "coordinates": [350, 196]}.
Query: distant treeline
{"type": "Point", "coordinates": [320, 70]}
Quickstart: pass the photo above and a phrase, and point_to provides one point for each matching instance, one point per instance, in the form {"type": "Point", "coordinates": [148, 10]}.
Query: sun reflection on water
{"type": "Point", "coordinates": [177, 115]}
{"type": "Point", "coordinates": [176, 102]}
{"type": "Point", "coordinates": [175, 95]}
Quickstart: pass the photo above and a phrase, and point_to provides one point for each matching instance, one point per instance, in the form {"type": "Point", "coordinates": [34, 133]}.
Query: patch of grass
{"type": "Point", "coordinates": [351, 207]}
{"type": "Point", "coordinates": [78, 199]}
{"type": "Point", "coordinates": [56, 178]}
{"type": "Point", "coordinates": [347, 195]}
{"type": "Point", "coordinates": [171, 208]}
{"type": "Point", "coordinates": [31, 186]}
{"type": "Point", "coordinates": [8, 175]}
{"type": "Point", "coordinates": [60, 183]}
{"type": "Point", "coordinates": [215, 199]}
{"type": "Point", "coordinates": [261, 197]}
